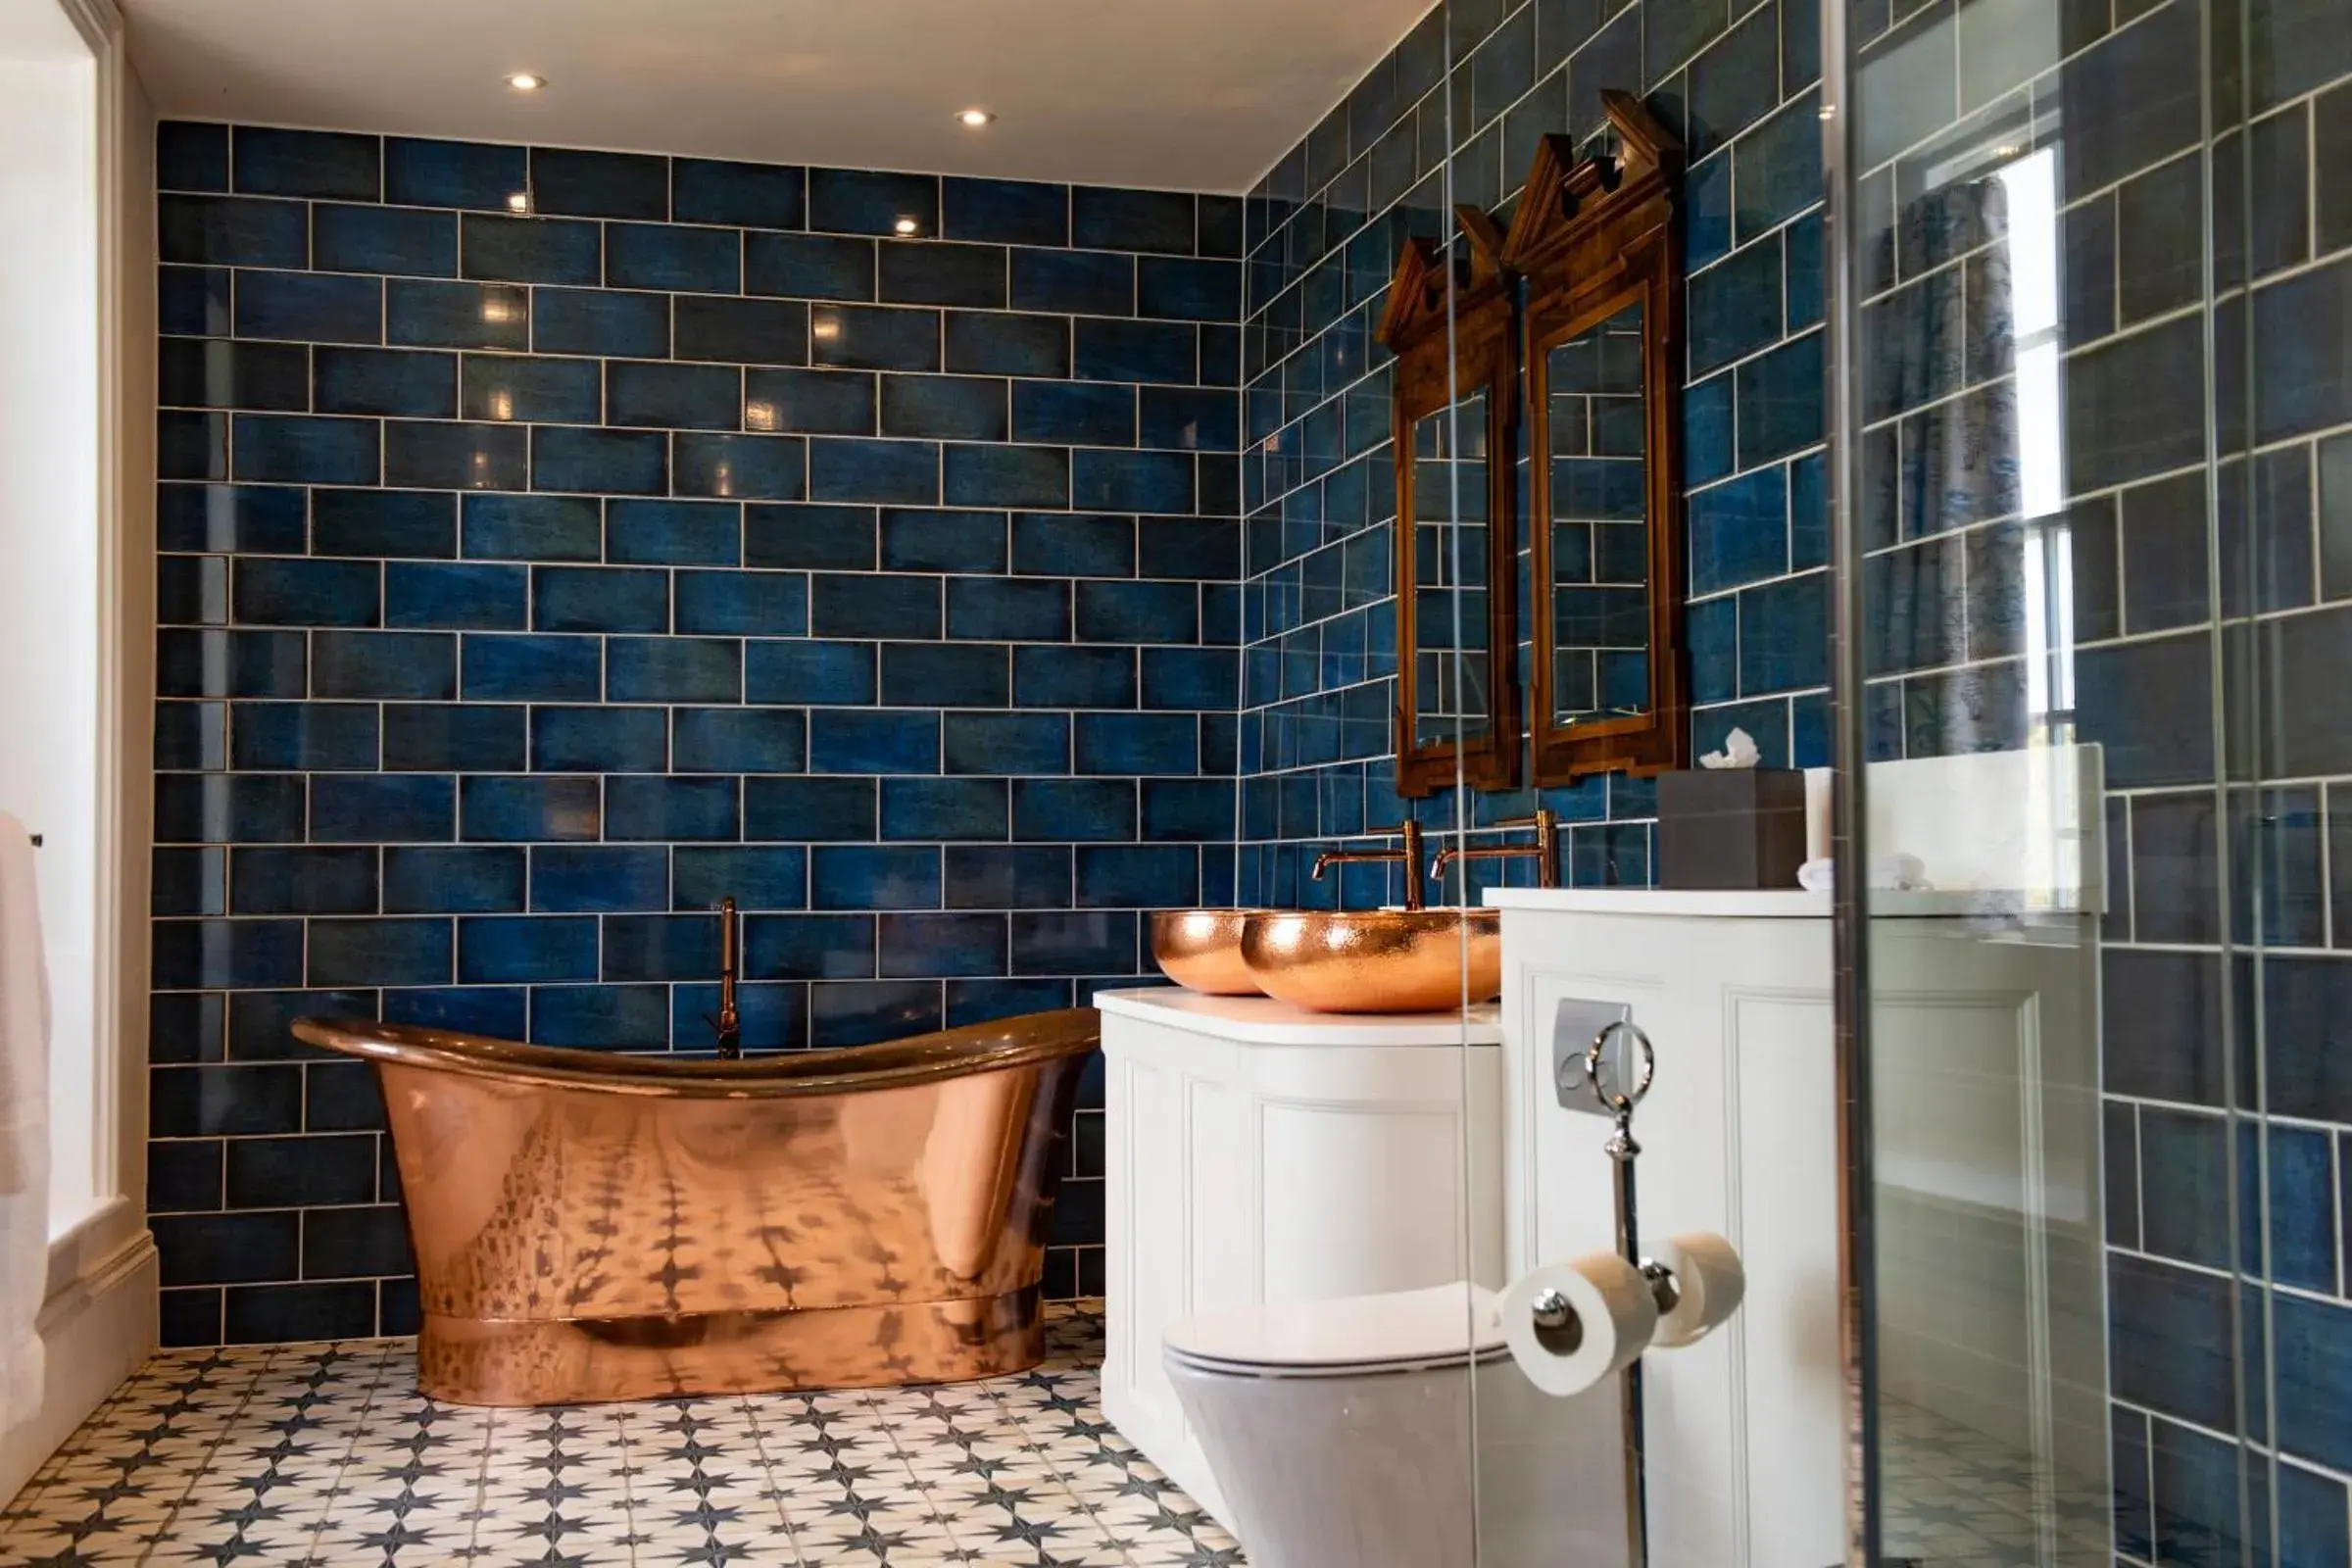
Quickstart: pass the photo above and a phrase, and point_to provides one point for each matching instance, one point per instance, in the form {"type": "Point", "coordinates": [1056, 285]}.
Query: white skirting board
{"type": "Point", "coordinates": [98, 1326]}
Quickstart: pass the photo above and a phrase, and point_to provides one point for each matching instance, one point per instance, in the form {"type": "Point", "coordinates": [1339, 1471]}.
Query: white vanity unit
{"type": "Point", "coordinates": [1987, 1152]}
{"type": "Point", "coordinates": [1260, 1154]}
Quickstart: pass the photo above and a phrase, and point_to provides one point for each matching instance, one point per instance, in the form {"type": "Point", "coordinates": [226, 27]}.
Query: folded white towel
{"type": "Point", "coordinates": [24, 1125]}
{"type": "Point", "coordinates": [1889, 873]}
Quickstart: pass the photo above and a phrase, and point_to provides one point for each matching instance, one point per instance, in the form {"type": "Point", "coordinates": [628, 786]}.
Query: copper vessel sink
{"type": "Point", "coordinates": [1200, 949]}
{"type": "Point", "coordinates": [1377, 960]}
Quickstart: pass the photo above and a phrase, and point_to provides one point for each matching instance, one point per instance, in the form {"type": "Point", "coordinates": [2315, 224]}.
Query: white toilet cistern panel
{"type": "Point", "coordinates": [1737, 1137]}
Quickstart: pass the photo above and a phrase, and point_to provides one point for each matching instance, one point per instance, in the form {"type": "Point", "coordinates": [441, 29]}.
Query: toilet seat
{"type": "Point", "coordinates": [1400, 1331]}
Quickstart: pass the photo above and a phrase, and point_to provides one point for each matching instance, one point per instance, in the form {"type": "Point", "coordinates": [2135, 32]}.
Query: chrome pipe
{"type": "Point", "coordinates": [728, 1025]}
{"type": "Point", "coordinates": [1857, 1304]}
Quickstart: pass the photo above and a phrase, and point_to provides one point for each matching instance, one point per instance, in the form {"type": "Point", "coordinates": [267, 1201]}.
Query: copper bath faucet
{"type": "Point", "coordinates": [1545, 850]}
{"type": "Point", "coordinates": [728, 1025]}
{"type": "Point", "coordinates": [1408, 856]}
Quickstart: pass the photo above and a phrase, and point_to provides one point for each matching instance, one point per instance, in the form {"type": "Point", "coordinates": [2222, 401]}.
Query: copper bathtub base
{"type": "Point", "coordinates": [604, 1361]}
{"type": "Point", "coordinates": [593, 1226]}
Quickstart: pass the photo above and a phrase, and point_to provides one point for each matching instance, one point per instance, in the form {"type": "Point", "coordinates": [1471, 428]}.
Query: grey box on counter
{"type": "Point", "coordinates": [1730, 828]}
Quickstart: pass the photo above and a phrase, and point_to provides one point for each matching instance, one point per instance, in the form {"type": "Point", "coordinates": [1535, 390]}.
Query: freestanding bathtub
{"type": "Point", "coordinates": [591, 1226]}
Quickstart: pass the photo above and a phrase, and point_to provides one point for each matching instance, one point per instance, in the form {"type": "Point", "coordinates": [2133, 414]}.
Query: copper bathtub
{"type": "Point", "coordinates": [592, 1227]}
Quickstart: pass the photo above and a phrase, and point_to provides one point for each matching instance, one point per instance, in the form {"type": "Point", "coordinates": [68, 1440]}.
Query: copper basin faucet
{"type": "Point", "coordinates": [1409, 856]}
{"type": "Point", "coordinates": [728, 1025]}
{"type": "Point", "coordinates": [1546, 851]}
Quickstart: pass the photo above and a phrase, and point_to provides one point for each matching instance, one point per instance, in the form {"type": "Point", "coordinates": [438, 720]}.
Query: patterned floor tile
{"type": "Point", "coordinates": [326, 1454]}
{"type": "Point", "coordinates": [1956, 1498]}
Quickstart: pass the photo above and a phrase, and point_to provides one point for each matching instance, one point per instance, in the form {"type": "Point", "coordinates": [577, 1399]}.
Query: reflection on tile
{"type": "Point", "coordinates": [1954, 1496]}
{"type": "Point", "coordinates": [453, 173]}
{"type": "Point", "coordinates": [531, 250]}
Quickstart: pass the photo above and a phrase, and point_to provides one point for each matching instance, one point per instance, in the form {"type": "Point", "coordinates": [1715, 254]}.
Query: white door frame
{"type": "Point", "coordinates": [99, 1320]}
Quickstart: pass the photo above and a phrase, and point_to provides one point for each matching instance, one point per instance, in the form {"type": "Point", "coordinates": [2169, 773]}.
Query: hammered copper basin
{"type": "Point", "coordinates": [1200, 949]}
{"type": "Point", "coordinates": [1377, 960]}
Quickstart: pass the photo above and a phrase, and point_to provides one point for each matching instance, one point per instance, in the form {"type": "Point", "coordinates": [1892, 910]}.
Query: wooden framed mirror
{"type": "Point", "coordinates": [1451, 321]}
{"type": "Point", "coordinates": [1596, 240]}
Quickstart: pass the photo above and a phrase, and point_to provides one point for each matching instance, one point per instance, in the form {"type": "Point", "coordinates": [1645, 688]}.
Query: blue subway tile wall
{"type": "Point", "coordinates": [1453, 115]}
{"type": "Point", "coordinates": [554, 542]}
{"type": "Point", "coordinates": [2220, 923]}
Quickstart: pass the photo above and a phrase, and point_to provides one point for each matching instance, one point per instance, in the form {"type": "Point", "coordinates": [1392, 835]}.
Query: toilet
{"type": "Point", "coordinates": [1395, 1431]}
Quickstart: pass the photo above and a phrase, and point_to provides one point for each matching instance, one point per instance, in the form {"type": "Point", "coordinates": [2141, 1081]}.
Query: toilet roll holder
{"type": "Point", "coordinates": [1578, 1076]}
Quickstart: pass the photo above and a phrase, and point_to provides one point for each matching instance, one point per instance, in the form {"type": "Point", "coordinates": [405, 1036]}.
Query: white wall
{"type": "Point", "coordinates": [49, 535]}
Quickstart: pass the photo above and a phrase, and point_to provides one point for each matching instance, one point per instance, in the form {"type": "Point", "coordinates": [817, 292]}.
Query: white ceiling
{"type": "Point", "coordinates": [1176, 94]}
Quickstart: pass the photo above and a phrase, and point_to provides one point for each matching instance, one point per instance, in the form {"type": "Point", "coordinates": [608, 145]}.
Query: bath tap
{"type": "Point", "coordinates": [1408, 856]}
{"type": "Point", "coordinates": [1546, 851]}
{"type": "Point", "coordinates": [728, 1025]}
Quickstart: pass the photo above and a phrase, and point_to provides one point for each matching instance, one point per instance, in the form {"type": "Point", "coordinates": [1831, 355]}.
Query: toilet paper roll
{"type": "Point", "coordinates": [1710, 1280]}
{"type": "Point", "coordinates": [1614, 1315]}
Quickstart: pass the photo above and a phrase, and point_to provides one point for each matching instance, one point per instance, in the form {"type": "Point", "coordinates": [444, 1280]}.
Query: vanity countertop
{"type": "Point", "coordinates": [1263, 1021]}
{"type": "Point", "coordinates": [1784, 904]}
{"type": "Point", "coordinates": [1772, 904]}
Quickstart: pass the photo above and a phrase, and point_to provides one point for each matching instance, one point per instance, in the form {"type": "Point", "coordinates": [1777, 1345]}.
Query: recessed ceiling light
{"type": "Point", "coordinates": [907, 225]}
{"type": "Point", "coordinates": [976, 118]}
{"type": "Point", "coordinates": [527, 82]}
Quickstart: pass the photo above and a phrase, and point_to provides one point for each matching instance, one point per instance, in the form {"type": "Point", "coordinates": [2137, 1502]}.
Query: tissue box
{"type": "Point", "coordinates": [1730, 828]}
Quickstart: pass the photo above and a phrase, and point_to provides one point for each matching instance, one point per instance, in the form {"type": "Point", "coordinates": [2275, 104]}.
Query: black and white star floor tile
{"type": "Point", "coordinates": [325, 1455]}
{"type": "Point", "coordinates": [1957, 1498]}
